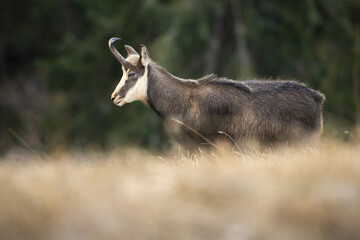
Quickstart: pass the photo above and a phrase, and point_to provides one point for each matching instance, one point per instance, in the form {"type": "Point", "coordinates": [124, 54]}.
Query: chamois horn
{"type": "Point", "coordinates": [119, 57]}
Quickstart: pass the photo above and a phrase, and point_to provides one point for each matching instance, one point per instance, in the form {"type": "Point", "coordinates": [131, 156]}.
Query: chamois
{"type": "Point", "coordinates": [202, 111]}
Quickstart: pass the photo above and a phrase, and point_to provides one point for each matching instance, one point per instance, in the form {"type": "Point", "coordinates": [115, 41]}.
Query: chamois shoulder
{"type": "Point", "coordinates": [214, 80]}
{"type": "Point", "coordinates": [211, 79]}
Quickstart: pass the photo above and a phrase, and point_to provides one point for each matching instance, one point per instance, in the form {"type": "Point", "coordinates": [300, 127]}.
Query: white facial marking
{"type": "Point", "coordinates": [138, 91]}
{"type": "Point", "coordinates": [121, 82]}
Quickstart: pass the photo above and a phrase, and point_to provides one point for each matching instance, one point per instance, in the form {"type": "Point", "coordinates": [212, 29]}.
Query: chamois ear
{"type": "Point", "coordinates": [130, 50]}
{"type": "Point", "coordinates": [144, 55]}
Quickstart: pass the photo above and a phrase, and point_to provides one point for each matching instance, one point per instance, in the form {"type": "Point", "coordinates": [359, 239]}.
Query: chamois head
{"type": "Point", "coordinates": [133, 84]}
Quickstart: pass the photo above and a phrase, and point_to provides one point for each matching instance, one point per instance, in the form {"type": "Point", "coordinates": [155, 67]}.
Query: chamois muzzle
{"type": "Point", "coordinates": [118, 56]}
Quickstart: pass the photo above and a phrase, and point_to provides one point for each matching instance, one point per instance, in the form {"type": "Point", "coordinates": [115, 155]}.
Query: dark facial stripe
{"type": "Point", "coordinates": [128, 84]}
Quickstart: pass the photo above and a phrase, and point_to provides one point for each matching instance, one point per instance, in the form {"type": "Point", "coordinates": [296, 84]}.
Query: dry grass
{"type": "Point", "coordinates": [129, 194]}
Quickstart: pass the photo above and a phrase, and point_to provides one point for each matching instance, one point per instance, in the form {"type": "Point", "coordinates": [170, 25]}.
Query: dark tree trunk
{"type": "Point", "coordinates": [215, 40]}
{"type": "Point", "coordinates": [356, 69]}
{"type": "Point", "coordinates": [244, 60]}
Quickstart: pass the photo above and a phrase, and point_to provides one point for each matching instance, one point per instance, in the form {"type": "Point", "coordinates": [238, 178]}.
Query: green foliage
{"type": "Point", "coordinates": [65, 42]}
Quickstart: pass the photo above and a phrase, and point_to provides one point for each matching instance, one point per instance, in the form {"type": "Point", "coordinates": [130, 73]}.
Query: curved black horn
{"type": "Point", "coordinates": [119, 57]}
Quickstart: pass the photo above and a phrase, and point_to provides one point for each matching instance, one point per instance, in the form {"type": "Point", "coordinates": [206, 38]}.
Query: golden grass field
{"type": "Point", "coordinates": [303, 193]}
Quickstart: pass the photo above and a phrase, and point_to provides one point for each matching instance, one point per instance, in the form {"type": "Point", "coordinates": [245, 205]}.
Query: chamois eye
{"type": "Point", "coordinates": [131, 74]}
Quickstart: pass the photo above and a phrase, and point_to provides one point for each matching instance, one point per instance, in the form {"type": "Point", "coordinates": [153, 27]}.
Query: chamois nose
{"type": "Point", "coordinates": [112, 97]}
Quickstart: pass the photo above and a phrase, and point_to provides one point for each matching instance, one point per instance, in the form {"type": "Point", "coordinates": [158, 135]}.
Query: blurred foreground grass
{"type": "Point", "coordinates": [129, 194]}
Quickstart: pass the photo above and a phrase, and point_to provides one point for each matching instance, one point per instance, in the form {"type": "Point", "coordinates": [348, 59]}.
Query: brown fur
{"type": "Point", "coordinates": [268, 112]}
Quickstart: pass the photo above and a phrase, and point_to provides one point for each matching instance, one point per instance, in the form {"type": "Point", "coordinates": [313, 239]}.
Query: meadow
{"type": "Point", "coordinates": [302, 193]}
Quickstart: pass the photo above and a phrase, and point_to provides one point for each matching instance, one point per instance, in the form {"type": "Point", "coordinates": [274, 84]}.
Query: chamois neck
{"type": "Point", "coordinates": [166, 92]}
{"type": "Point", "coordinates": [160, 71]}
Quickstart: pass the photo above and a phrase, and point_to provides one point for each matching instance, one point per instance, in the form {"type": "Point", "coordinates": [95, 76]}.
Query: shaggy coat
{"type": "Point", "coordinates": [269, 112]}
{"type": "Point", "coordinates": [209, 109]}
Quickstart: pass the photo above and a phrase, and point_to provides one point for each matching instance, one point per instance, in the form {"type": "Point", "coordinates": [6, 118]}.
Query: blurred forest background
{"type": "Point", "coordinates": [57, 73]}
